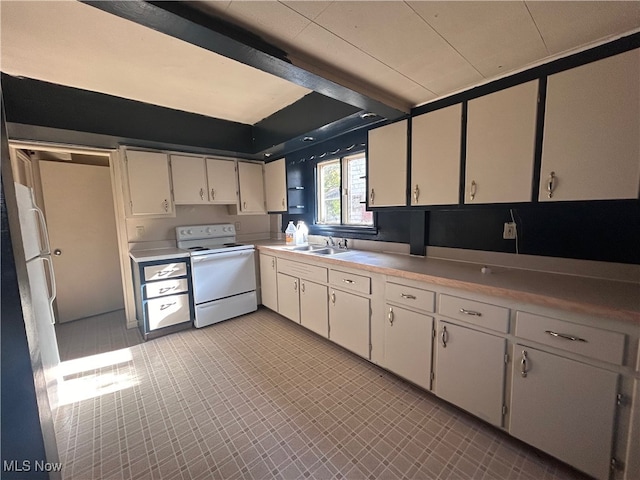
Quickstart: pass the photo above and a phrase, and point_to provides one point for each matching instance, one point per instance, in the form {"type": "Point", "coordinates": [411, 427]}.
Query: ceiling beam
{"type": "Point", "coordinates": [181, 21]}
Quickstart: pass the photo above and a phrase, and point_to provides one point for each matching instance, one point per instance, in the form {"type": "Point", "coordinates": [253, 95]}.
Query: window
{"type": "Point", "coordinates": [342, 191]}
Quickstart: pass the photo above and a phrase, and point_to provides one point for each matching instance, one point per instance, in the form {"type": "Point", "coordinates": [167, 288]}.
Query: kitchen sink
{"type": "Point", "coordinates": [328, 251]}
{"type": "Point", "coordinates": [308, 248]}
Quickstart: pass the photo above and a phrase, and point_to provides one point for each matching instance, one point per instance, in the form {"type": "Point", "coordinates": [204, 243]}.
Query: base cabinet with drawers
{"type": "Point", "coordinates": [163, 295]}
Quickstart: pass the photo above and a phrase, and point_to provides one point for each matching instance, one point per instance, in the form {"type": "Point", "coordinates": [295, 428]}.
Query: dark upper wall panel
{"type": "Point", "coordinates": [311, 112]}
{"type": "Point", "coordinates": [33, 102]}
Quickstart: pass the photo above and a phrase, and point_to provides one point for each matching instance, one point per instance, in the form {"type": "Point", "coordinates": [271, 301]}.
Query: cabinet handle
{"type": "Point", "coordinates": [416, 194]}
{"type": "Point", "coordinates": [406, 295]}
{"type": "Point", "coordinates": [444, 336]}
{"type": "Point", "coordinates": [333, 297]}
{"type": "Point", "coordinates": [372, 196]}
{"type": "Point", "coordinates": [566, 336]}
{"type": "Point", "coordinates": [474, 188]}
{"type": "Point", "coordinates": [244, 205]}
{"type": "Point", "coordinates": [273, 263]}
{"type": "Point", "coordinates": [202, 194]}
{"type": "Point", "coordinates": [391, 316]}
{"type": "Point", "coordinates": [346, 280]}
{"type": "Point", "coordinates": [167, 289]}
{"type": "Point", "coordinates": [524, 368]}
{"type": "Point", "coordinates": [302, 287]}
{"type": "Point", "coordinates": [167, 305]}
{"type": "Point", "coordinates": [283, 203]}
{"type": "Point", "coordinates": [470, 312]}
{"type": "Point", "coordinates": [165, 205]}
{"type": "Point", "coordinates": [213, 194]}
{"type": "Point", "coordinates": [295, 286]}
{"type": "Point", "coordinates": [551, 184]}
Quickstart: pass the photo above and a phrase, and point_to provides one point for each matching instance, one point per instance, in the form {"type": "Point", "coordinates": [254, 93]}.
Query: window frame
{"type": "Point", "coordinates": [333, 228]}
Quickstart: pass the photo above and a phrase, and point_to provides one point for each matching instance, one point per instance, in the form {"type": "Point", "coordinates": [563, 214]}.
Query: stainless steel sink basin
{"type": "Point", "coordinates": [317, 249]}
{"type": "Point", "coordinates": [328, 251]}
{"type": "Point", "coordinates": [307, 248]}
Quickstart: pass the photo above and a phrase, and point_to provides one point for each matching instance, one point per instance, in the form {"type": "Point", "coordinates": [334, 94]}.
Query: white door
{"type": "Point", "coordinates": [189, 180]}
{"type": "Point", "coordinates": [222, 181]}
{"type": "Point", "coordinates": [251, 179]}
{"type": "Point", "coordinates": [149, 183]}
{"type": "Point", "coordinates": [314, 307]}
{"type": "Point", "coordinates": [387, 165]}
{"type": "Point", "coordinates": [268, 282]}
{"type": "Point", "coordinates": [275, 179]}
{"type": "Point", "coordinates": [288, 297]}
{"type": "Point", "coordinates": [82, 232]}
{"type": "Point", "coordinates": [349, 321]}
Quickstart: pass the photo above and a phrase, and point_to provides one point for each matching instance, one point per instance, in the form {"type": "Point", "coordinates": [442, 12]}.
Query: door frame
{"type": "Point", "coordinates": [115, 170]}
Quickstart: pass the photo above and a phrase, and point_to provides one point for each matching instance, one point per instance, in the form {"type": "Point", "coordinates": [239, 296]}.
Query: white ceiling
{"type": "Point", "coordinates": [73, 44]}
{"type": "Point", "coordinates": [412, 52]}
{"type": "Point", "coordinates": [421, 50]}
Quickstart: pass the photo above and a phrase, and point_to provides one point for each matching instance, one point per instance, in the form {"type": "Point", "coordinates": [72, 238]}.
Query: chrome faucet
{"type": "Point", "coordinates": [343, 243]}
{"type": "Point", "coordinates": [331, 242]}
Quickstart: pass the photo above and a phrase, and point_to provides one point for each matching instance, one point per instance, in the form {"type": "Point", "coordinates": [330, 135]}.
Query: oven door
{"type": "Point", "coordinates": [220, 275]}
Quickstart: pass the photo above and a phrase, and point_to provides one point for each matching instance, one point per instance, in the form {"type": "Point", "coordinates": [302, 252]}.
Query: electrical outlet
{"type": "Point", "coordinates": [237, 224]}
{"type": "Point", "coordinates": [139, 231]}
{"type": "Point", "coordinates": [509, 232]}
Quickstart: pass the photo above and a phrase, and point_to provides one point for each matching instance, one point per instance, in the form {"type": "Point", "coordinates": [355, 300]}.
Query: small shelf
{"type": "Point", "coordinates": [296, 188]}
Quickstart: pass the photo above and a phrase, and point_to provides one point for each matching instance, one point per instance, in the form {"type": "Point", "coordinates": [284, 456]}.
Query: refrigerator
{"type": "Point", "coordinates": [41, 284]}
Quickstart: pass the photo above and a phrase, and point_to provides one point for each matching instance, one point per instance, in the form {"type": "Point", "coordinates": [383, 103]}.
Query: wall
{"type": "Point", "coordinates": [251, 227]}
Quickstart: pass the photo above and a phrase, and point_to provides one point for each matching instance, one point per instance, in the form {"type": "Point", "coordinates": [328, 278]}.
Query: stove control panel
{"type": "Point", "coordinates": [192, 232]}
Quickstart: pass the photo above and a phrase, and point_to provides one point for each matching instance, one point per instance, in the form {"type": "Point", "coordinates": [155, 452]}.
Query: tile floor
{"type": "Point", "coordinates": [258, 397]}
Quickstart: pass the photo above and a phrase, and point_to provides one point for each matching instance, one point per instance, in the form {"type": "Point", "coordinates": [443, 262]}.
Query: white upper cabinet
{"type": "Point", "coordinates": [149, 184]}
{"type": "Point", "coordinates": [591, 143]}
{"type": "Point", "coordinates": [435, 157]}
{"type": "Point", "coordinates": [387, 165]}
{"type": "Point", "coordinates": [275, 179]}
{"type": "Point", "coordinates": [501, 129]}
{"type": "Point", "coordinates": [222, 181]}
{"type": "Point", "coordinates": [189, 180]}
{"type": "Point", "coordinates": [197, 180]}
{"type": "Point", "coordinates": [251, 183]}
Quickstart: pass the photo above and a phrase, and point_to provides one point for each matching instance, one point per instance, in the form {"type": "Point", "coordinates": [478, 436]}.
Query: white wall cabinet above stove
{"type": "Point", "coordinates": [148, 184]}
{"type": "Point", "coordinates": [200, 181]}
{"type": "Point", "coordinates": [591, 143]}
{"type": "Point", "coordinates": [251, 199]}
{"type": "Point", "coordinates": [275, 180]}
{"type": "Point", "coordinates": [501, 131]}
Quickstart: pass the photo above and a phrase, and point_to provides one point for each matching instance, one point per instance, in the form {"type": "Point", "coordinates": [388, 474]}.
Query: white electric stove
{"type": "Point", "coordinates": [223, 272]}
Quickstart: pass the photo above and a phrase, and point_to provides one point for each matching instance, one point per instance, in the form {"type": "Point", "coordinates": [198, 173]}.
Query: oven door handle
{"type": "Point", "coordinates": [217, 256]}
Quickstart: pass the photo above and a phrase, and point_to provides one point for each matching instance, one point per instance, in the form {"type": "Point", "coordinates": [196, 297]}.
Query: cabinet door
{"type": "Point", "coordinates": [387, 165]}
{"type": "Point", "coordinates": [288, 298]}
{"type": "Point", "coordinates": [314, 307]}
{"type": "Point", "coordinates": [591, 131]}
{"type": "Point", "coordinates": [222, 181]}
{"type": "Point", "coordinates": [470, 370]}
{"type": "Point", "coordinates": [501, 130]}
{"type": "Point", "coordinates": [189, 180]}
{"type": "Point", "coordinates": [149, 183]}
{"type": "Point", "coordinates": [251, 184]}
{"type": "Point", "coordinates": [268, 282]}
{"type": "Point", "coordinates": [275, 180]}
{"type": "Point", "coordinates": [435, 157]}
{"type": "Point", "coordinates": [408, 344]}
{"type": "Point", "coordinates": [349, 321]}
{"type": "Point", "coordinates": [565, 408]}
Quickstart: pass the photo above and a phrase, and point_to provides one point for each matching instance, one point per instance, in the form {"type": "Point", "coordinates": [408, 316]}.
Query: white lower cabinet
{"type": "Point", "coordinates": [408, 345]}
{"type": "Point", "coordinates": [288, 299]}
{"type": "Point", "coordinates": [349, 317]}
{"type": "Point", "coordinates": [314, 307]}
{"type": "Point", "coordinates": [565, 408]}
{"type": "Point", "coordinates": [470, 370]}
{"type": "Point", "coordinates": [268, 281]}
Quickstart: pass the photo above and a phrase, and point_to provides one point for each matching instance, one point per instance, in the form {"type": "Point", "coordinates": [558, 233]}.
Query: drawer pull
{"type": "Point", "coordinates": [523, 364]}
{"type": "Point", "coordinates": [470, 312]}
{"type": "Point", "coordinates": [406, 295]}
{"type": "Point", "coordinates": [444, 337]}
{"type": "Point", "coordinates": [167, 289]}
{"type": "Point", "coordinates": [167, 305]}
{"type": "Point", "coordinates": [565, 336]}
{"type": "Point", "coordinates": [391, 316]}
{"type": "Point", "coordinates": [346, 280]}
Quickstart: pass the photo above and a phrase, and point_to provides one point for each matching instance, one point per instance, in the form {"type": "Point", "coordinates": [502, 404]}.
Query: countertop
{"type": "Point", "coordinates": [592, 296]}
{"type": "Point", "coordinates": [154, 254]}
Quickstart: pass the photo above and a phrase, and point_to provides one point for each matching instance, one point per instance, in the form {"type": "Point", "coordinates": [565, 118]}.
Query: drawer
{"type": "Point", "coordinates": [350, 281]}
{"type": "Point", "coordinates": [166, 287]}
{"type": "Point", "coordinates": [302, 270]}
{"type": "Point", "coordinates": [166, 270]}
{"type": "Point", "coordinates": [588, 341]}
{"type": "Point", "coordinates": [169, 310]}
{"type": "Point", "coordinates": [481, 314]}
{"type": "Point", "coordinates": [410, 296]}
